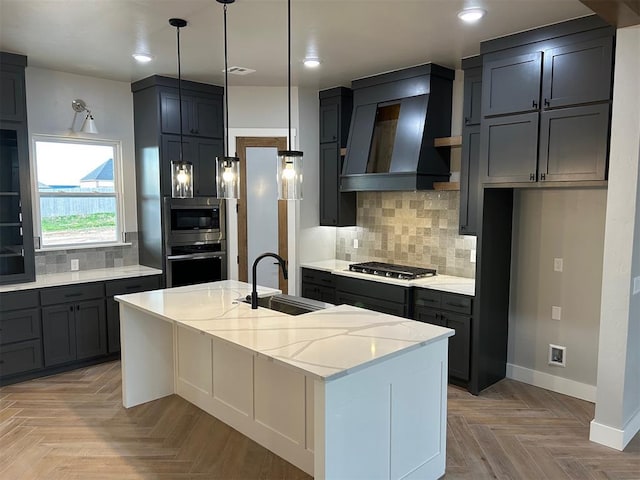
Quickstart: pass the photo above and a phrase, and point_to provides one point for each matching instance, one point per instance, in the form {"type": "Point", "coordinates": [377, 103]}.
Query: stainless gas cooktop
{"type": "Point", "coordinates": [401, 272]}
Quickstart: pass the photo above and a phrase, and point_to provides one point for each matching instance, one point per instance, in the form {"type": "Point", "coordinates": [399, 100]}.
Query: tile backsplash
{"type": "Point", "coordinates": [409, 228]}
{"type": "Point", "coordinates": [59, 261]}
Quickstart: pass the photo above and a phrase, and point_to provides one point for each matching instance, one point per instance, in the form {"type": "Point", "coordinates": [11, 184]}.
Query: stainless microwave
{"type": "Point", "coordinates": [194, 220]}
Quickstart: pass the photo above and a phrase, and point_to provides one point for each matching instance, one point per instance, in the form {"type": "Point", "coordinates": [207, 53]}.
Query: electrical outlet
{"type": "Point", "coordinates": [472, 258]}
{"type": "Point", "coordinates": [355, 243]}
{"type": "Point", "coordinates": [75, 264]}
{"type": "Point", "coordinates": [556, 313]}
{"type": "Point", "coordinates": [557, 264]}
{"type": "Point", "coordinates": [636, 285]}
{"type": "Point", "coordinates": [557, 355]}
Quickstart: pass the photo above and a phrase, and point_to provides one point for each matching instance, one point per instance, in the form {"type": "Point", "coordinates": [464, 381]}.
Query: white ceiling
{"type": "Point", "coordinates": [353, 38]}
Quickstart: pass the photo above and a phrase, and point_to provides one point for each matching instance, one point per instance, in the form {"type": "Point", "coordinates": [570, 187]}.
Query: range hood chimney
{"type": "Point", "coordinates": [395, 118]}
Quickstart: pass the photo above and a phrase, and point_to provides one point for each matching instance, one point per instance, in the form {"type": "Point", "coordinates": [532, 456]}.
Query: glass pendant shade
{"type": "Point", "coordinates": [289, 175]}
{"type": "Point", "coordinates": [181, 180]}
{"type": "Point", "coordinates": [228, 177]}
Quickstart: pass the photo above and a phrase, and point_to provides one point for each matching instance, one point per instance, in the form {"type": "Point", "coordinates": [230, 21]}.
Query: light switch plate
{"type": "Point", "coordinates": [557, 264]}
{"type": "Point", "coordinates": [75, 264]}
{"type": "Point", "coordinates": [355, 243]}
{"type": "Point", "coordinates": [472, 258]}
{"type": "Point", "coordinates": [556, 313]}
{"type": "Point", "coordinates": [636, 285]}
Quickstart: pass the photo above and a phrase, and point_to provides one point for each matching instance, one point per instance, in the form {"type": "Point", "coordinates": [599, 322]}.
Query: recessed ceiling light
{"type": "Point", "coordinates": [142, 57]}
{"type": "Point", "coordinates": [471, 15]}
{"type": "Point", "coordinates": [311, 62]}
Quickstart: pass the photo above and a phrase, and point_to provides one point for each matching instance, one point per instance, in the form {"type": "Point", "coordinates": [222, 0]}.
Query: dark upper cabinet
{"type": "Point", "coordinates": [574, 143]}
{"type": "Point", "coordinates": [565, 84]}
{"type": "Point", "coordinates": [512, 84]}
{"type": "Point", "coordinates": [577, 73]}
{"type": "Point", "coordinates": [509, 148]}
{"type": "Point", "coordinates": [200, 115]}
{"type": "Point", "coordinates": [337, 209]}
{"type": "Point", "coordinates": [17, 262]}
{"type": "Point", "coordinates": [472, 108]}
{"type": "Point", "coordinates": [469, 180]}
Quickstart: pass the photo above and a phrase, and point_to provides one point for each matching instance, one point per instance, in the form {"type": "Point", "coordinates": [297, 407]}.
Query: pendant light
{"type": "Point", "coordinates": [289, 161]}
{"type": "Point", "coordinates": [227, 167]}
{"type": "Point", "coordinates": [181, 171]}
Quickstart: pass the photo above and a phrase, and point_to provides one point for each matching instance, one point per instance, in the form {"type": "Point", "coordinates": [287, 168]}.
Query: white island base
{"type": "Point", "coordinates": [299, 386]}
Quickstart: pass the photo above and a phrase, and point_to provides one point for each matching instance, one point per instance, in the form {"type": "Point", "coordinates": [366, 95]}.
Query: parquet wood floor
{"type": "Point", "coordinates": [73, 426]}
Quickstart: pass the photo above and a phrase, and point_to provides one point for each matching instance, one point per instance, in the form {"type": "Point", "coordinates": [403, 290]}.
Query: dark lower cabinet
{"type": "Point", "coordinates": [121, 287]}
{"type": "Point", "coordinates": [74, 331]}
{"type": "Point", "coordinates": [20, 333]}
{"type": "Point", "coordinates": [377, 296]}
{"type": "Point", "coordinates": [451, 311]}
{"type": "Point", "coordinates": [20, 357]}
{"type": "Point", "coordinates": [318, 285]}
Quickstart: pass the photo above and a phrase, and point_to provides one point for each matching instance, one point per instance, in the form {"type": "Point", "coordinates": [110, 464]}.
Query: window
{"type": "Point", "coordinates": [78, 191]}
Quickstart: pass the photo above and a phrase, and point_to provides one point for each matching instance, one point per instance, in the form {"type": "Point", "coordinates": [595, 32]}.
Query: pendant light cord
{"type": "Point", "coordinates": [226, 86]}
{"type": "Point", "coordinates": [289, 65]}
{"type": "Point", "coordinates": [179, 90]}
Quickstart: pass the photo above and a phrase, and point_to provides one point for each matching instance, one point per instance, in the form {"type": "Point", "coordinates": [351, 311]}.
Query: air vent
{"type": "Point", "coordinates": [239, 71]}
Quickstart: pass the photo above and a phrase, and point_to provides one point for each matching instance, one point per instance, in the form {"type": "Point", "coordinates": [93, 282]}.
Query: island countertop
{"type": "Point", "coordinates": [326, 344]}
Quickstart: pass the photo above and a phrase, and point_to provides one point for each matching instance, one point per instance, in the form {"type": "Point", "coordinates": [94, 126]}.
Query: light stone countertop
{"type": "Point", "coordinates": [82, 276]}
{"type": "Point", "coordinates": [326, 344]}
{"type": "Point", "coordinates": [444, 283]}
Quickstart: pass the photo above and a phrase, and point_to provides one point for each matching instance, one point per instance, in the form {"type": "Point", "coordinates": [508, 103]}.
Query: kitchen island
{"type": "Point", "coordinates": [340, 393]}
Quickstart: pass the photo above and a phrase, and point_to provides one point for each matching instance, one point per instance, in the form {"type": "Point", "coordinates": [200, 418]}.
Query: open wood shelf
{"type": "Point", "coordinates": [452, 186]}
{"type": "Point", "coordinates": [448, 141]}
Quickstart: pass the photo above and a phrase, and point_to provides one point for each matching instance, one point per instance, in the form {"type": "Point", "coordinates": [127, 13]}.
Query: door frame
{"type": "Point", "coordinates": [242, 143]}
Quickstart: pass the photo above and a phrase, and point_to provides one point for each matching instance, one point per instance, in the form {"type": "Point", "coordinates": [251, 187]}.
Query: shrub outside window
{"type": "Point", "coordinates": [78, 198]}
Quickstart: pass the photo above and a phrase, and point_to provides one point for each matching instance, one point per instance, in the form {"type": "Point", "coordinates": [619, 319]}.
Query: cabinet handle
{"type": "Point", "coordinates": [467, 121]}
{"type": "Point", "coordinates": [534, 104]}
{"type": "Point", "coordinates": [69, 295]}
{"type": "Point", "coordinates": [532, 177]}
{"type": "Point", "coordinates": [546, 102]}
{"type": "Point", "coordinates": [543, 176]}
{"type": "Point", "coordinates": [71, 308]}
{"type": "Point", "coordinates": [132, 287]}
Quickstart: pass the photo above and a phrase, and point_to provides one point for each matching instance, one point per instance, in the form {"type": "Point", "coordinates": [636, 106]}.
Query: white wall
{"type": "Point", "coordinates": [49, 97]}
{"type": "Point", "coordinates": [548, 224]}
{"type": "Point", "coordinates": [617, 417]}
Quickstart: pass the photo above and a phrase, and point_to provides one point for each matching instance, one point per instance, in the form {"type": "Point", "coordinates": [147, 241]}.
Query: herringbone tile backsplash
{"type": "Point", "coordinates": [409, 228]}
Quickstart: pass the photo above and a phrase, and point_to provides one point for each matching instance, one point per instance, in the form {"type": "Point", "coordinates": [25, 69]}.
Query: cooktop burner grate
{"type": "Point", "coordinates": [401, 272]}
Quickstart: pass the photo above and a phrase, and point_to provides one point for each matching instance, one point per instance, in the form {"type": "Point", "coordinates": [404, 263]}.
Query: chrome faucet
{"type": "Point", "coordinates": [254, 291]}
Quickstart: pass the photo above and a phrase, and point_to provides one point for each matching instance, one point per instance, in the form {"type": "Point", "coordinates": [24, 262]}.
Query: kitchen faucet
{"type": "Point", "coordinates": [254, 291]}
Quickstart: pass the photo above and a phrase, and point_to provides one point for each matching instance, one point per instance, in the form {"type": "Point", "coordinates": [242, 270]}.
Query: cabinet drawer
{"type": "Point", "coordinates": [373, 289]}
{"type": "Point", "coordinates": [427, 298]}
{"type": "Point", "coordinates": [132, 285]}
{"type": "Point", "coordinates": [18, 300]}
{"type": "Point", "coordinates": [318, 277]}
{"type": "Point", "coordinates": [20, 325]}
{"type": "Point", "coordinates": [75, 293]}
{"type": "Point", "coordinates": [456, 303]}
{"type": "Point", "coordinates": [20, 357]}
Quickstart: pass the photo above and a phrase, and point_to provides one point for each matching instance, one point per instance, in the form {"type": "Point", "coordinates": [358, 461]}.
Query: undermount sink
{"type": "Point", "coordinates": [289, 304]}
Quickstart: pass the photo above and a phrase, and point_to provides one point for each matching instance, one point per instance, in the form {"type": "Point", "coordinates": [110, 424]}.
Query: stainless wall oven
{"type": "Point", "coordinates": [195, 242]}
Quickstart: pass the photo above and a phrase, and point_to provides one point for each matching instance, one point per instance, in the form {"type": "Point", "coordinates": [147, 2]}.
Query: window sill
{"type": "Point", "coordinates": [88, 246]}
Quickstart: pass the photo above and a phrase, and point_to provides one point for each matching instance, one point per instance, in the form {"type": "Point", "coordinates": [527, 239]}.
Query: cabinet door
{"type": "Point", "coordinates": [509, 148]}
{"type": "Point", "coordinates": [20, 357]}
{"type": "Point", "coordinates": [459, 345]}
{"type": "Point", "coordinates": [19, 325]}
{"type": "Point", "coordinates": [574, 143]}
{"type": "Point", "coordinates": [91, 329]}
{"type": "Point", "coordinates": [59, 334]}
{"type": "Point", "coordinates": [170, 113]}
{"type": "Point", "coordinates": [472, 96]}
{"type": "Point", "coordinates": [429, 315]}
{"type": "Point", "coordinates": [12, 96]}
{"type": "Point", "coordinates": [204, 151]}
{"type": "Point", "coordinates": [577, 73]}
{"type": "Point", "coordinates": [206, 117]}
{"type": "Point", "coordinates": [469, 180]}
{"type": "Point", "coordinates": [511, 85]}
{"type": "Point", "coordinates": [113, 325]}
{"type": "Point", "coordinates": [329, 121]}
{"type": "Point", "coordinates": [329, 183]}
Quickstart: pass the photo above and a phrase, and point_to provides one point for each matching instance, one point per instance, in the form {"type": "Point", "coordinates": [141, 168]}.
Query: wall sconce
{"type": "Point", "coordinates": [289, 161]}
{"type": "Point", "coordinates": [89, 125]}
{"type": "Point", "coordinates": [181, 180]}
{"type": "Point", "coordinates": [227, 167]}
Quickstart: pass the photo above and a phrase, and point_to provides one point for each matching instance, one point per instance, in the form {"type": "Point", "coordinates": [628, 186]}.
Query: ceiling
{"type": "Point", "coordinates": [353, 38]}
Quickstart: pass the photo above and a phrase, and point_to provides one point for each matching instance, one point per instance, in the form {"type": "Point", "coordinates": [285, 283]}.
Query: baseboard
{"type": "Point", "coordinates": [614, 437]}
{"type": "Point", "coordinates": [547, 381]}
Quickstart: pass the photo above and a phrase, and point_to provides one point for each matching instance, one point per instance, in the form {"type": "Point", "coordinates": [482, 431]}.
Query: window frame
{"type": "Point", "coordinates": [118, 193]}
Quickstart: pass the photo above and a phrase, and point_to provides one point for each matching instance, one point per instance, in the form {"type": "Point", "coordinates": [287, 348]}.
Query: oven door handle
{"type": "Point", "coordinates": [196, 256]}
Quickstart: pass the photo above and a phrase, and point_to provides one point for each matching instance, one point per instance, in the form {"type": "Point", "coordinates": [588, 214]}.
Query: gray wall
{"type": "Point", "coordinates": [548, 224]}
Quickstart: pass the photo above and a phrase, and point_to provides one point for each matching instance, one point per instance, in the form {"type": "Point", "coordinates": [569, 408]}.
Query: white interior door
{"type": "Point", "coordinates": [262, 212]}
